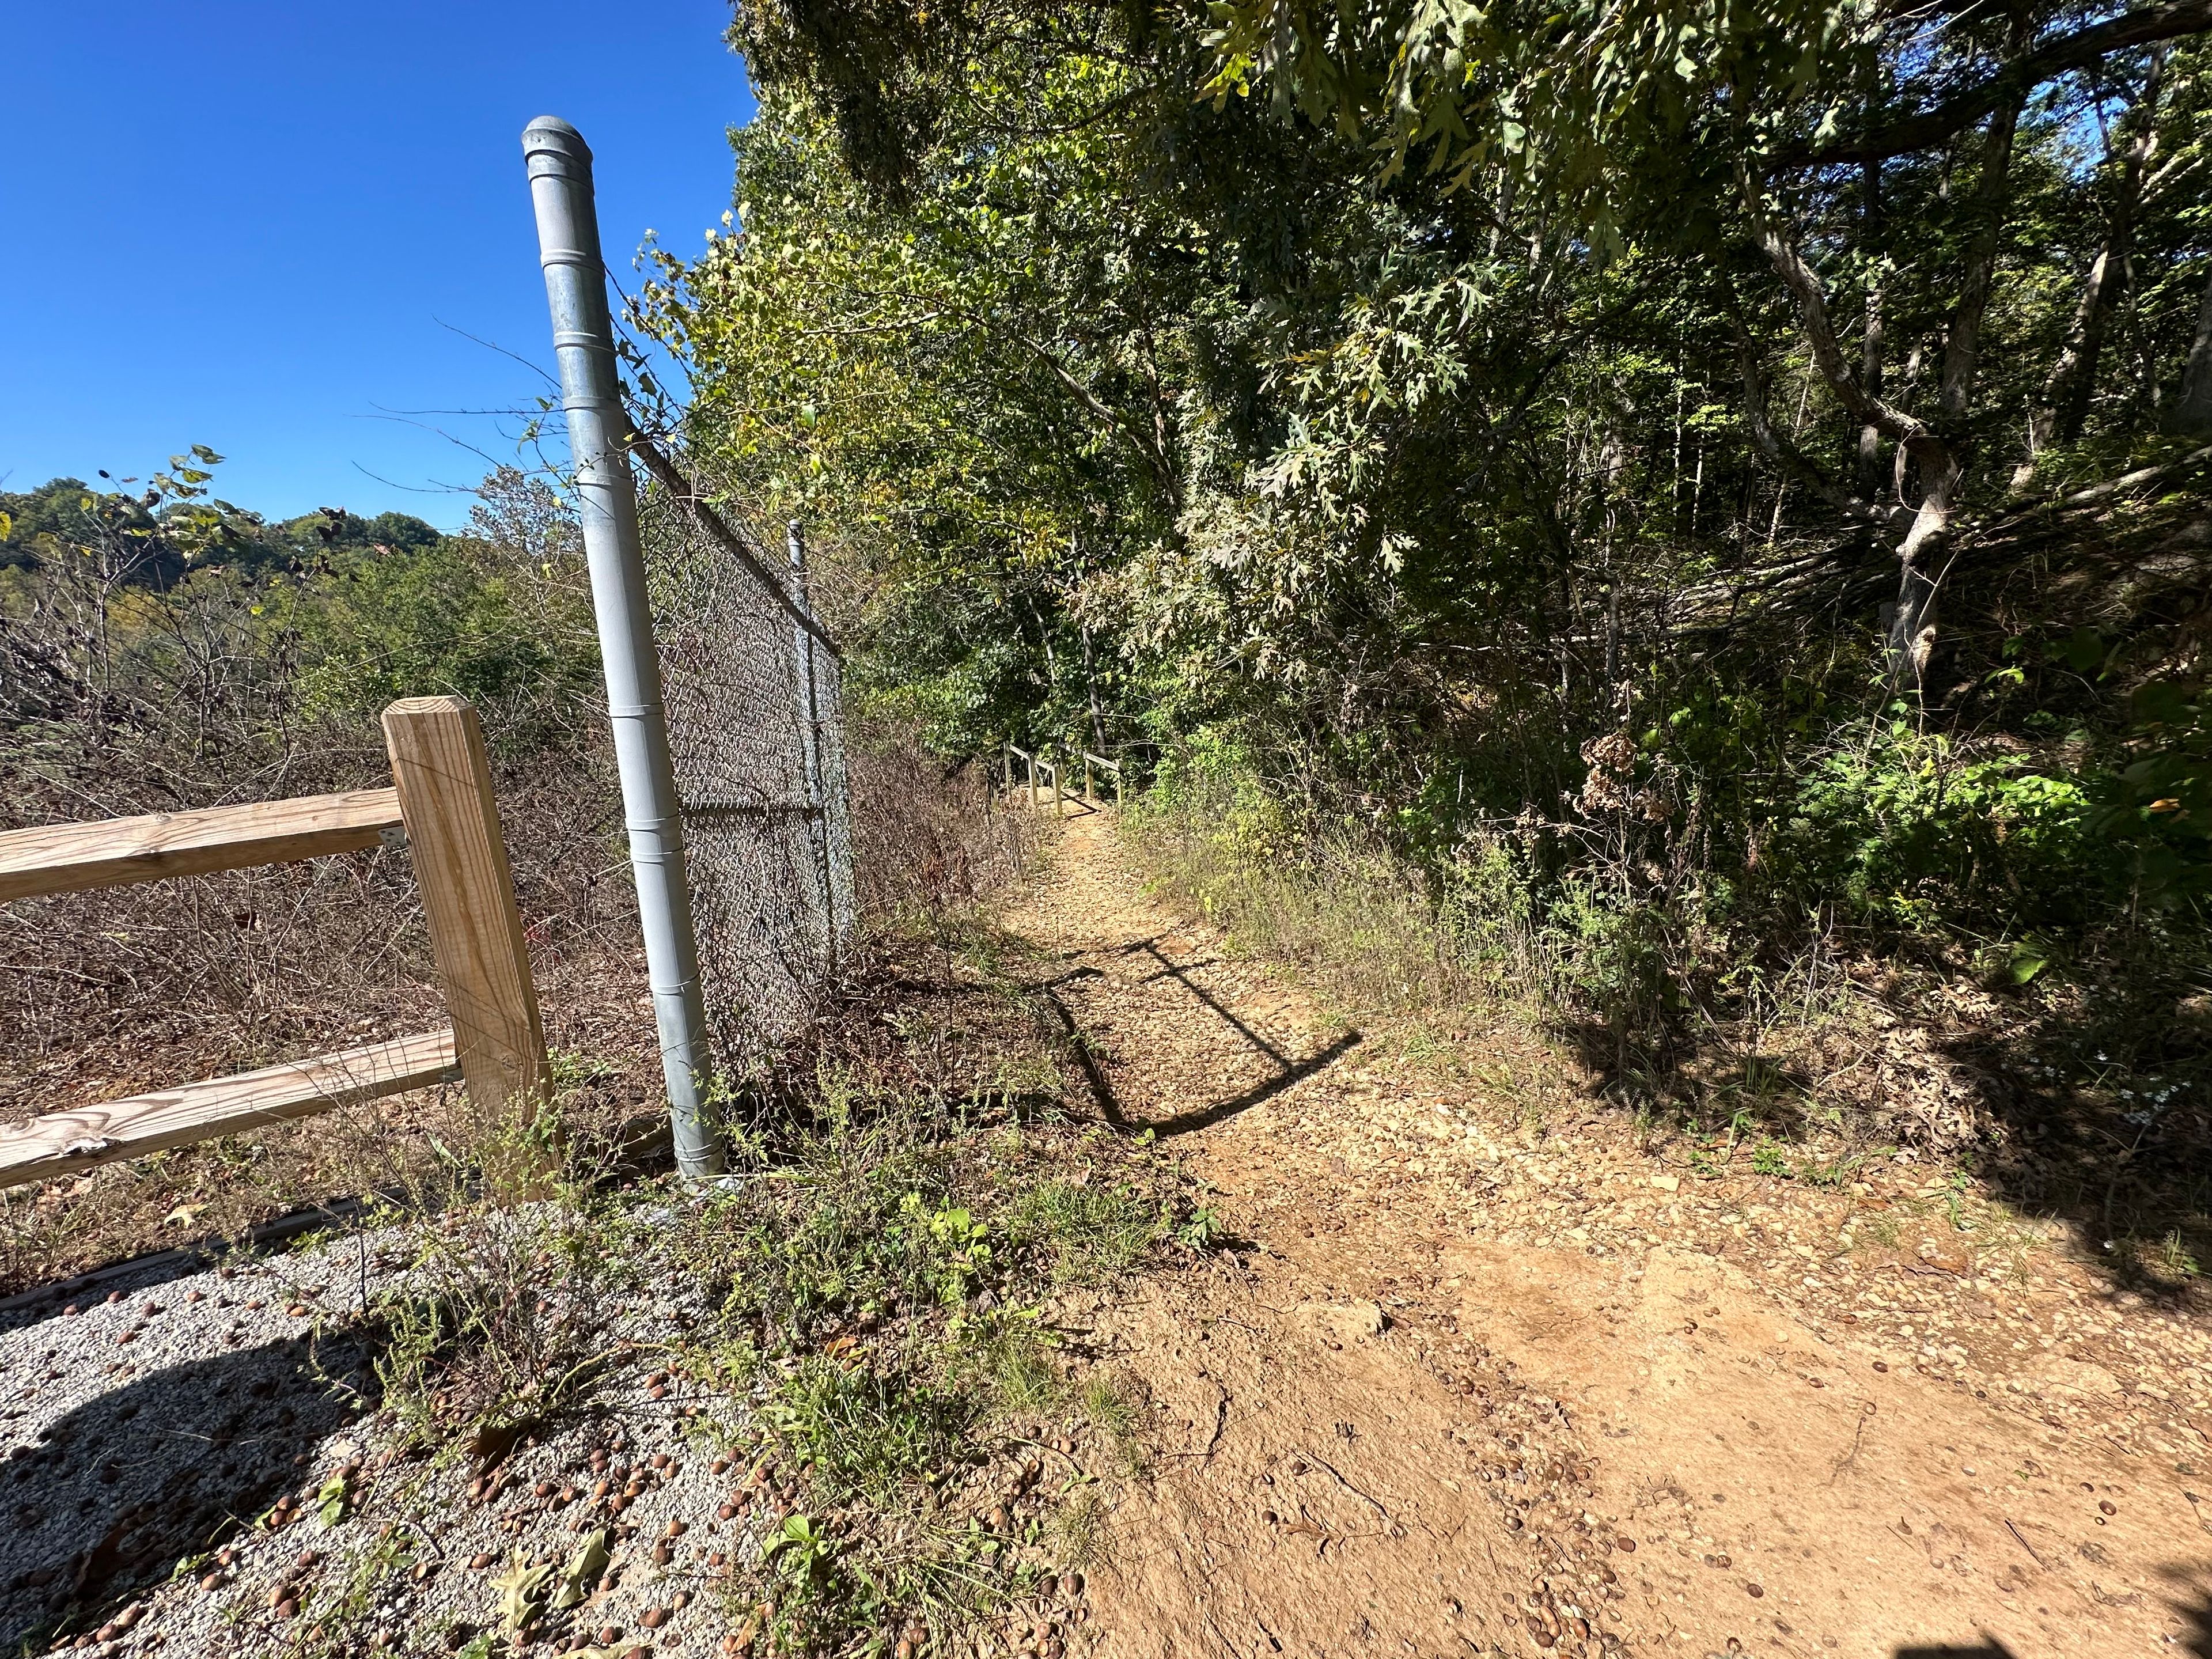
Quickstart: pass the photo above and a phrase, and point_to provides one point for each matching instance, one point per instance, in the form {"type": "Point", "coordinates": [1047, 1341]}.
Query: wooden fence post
{"type": "Point", "coordinates": [468, 893]}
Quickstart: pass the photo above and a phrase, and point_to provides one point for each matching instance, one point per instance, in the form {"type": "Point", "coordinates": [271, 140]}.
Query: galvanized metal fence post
{"type": "Point", "coordinates": [560, 165]}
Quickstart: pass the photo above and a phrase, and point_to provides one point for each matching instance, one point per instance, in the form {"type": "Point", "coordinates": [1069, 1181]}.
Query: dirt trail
{"type": "Point", "coordinates": [1403, 1425]}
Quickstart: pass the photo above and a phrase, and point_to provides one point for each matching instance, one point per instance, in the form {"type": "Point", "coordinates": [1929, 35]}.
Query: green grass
{"type": "Point", "coordinates": [874, 1277]}
{"type": "Point", "coordinates": [1085, 1230]}
{"type": "Point", "coordinates": [1111, 1404]}
{"type": "Point", "coordinates": [865, 1433]}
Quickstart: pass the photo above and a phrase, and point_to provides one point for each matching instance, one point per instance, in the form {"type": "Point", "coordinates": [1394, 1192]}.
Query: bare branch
{"type": "Point", "coordinates": [1786, 456]}
{"type": "Point", "coordinates": [1805, 288]}
{"type": "Point", "coordinates": [2142, 27]}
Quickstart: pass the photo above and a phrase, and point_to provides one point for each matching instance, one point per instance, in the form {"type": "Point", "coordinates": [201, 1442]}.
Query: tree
{"type": "Point", "coordinates": [1492, 469]}
{"type": "Point", "coordinates": [1755, 119]}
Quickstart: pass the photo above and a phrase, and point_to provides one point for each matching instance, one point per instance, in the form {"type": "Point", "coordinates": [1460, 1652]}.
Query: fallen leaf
{"type": "Point", "coordinates": [583, 1570]}
{"type": "Point", "coordinates": [521, 1588]}
{"type": "Point", "coordinates": [335, 1500]}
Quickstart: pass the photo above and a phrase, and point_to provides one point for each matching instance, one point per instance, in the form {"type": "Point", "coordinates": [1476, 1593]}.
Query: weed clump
{"type": "Point", "coordinates": [888, 1287]}
{"type": "Point", "coordinates": [869, 1324]}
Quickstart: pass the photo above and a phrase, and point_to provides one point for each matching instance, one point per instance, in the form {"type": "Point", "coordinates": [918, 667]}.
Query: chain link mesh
{"type": "Point", "coordinates": [756, 732]}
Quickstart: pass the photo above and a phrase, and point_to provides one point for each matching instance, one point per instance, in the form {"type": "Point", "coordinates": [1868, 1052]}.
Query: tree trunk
{"type": "Point", "coordinates": [2106, 275]}
{"type": "Point", "coordinates": [1090, 687]}
{"type": "Point", "coordinates": [2193, 413]}
{"type": "Point", "coordinates": [1931, 449]}
{"type": "Point", "coordinates": [1942, 465]}
{"type": "Point", "coordinates": [2116, 263]}
{"type": "Point", "coordinates": [2064, 408]}
{"type": "Point", "coordinates": [2083, 338]}
{"type": "Point", "coordinates": [1912, 617]}
{"type": "Point", "coordinates": [1870, 346]}
{"type": "Point", "coordinates": [1962, 346]}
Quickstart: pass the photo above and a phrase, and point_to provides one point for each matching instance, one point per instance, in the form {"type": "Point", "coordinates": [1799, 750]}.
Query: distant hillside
{"type": "Point", "coordinates": [69, 512]}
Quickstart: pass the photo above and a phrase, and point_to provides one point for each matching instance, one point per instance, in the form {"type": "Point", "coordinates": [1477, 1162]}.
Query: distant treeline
{"type": "Point", "coordinates": [62, 513]}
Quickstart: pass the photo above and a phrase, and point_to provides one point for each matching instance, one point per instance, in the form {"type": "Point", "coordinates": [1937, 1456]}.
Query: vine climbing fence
{"type": "Point", "coordinates": [756, 730]}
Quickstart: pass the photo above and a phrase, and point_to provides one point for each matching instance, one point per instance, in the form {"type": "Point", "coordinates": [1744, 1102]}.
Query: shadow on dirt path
{"type": "Point", "coordinates": [1477, 1388]}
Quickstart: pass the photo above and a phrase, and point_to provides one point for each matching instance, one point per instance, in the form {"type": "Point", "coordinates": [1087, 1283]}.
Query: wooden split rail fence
{"type": "Point", "coordinates": [1040, 766]}
{"type": "Point", "coordinates": [441, 807]}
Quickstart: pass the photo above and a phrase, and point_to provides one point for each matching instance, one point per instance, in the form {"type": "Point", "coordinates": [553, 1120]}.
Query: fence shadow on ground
{"type": "Point", "coordinates": [1286, 1070]}
{"type": "Point", "coordinates": [113, 1495]}
{"type": "Point", "coordinates": [1293, 1072]}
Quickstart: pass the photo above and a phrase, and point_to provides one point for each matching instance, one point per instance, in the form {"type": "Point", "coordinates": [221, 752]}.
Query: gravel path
{"type": "Point", "coordinates": [166, 1451]}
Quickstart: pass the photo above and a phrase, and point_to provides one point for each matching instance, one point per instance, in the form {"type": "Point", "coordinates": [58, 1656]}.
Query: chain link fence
{"type": "Point", "coordinates": [757, 733]}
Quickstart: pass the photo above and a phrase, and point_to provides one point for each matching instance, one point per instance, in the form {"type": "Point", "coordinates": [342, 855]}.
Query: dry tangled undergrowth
{"type": "Point", "coordinates": [110, 993]}
{"type": "Point", "coordinates": [113, 993]}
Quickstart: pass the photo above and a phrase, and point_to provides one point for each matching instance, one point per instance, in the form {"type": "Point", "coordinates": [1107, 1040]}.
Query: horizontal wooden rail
{"type": "Point", "coordinates": [62, 1142]}
{"type": "Point", "coordinates": [1114, 767]}
{"type": "Point", "coordinates": [75, 858]}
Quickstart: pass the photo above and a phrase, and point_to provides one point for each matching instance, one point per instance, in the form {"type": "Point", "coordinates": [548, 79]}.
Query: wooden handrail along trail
{"type": "Point", "coordinates": [1038, 763]}
{"type": "Point", "coordinates": [441, 806]}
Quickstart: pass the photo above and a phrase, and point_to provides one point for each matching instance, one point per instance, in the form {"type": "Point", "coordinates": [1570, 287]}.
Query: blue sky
{"type": "Point", "coordinates": [250, 225]}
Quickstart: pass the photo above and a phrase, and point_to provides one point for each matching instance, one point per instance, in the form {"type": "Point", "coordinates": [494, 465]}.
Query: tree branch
{"type": "Point", "coordinates": [1804, 285]}
{"type": "Point", "coordinates": [1156, 459]}
{"type": "Point", "coordinates": [2142, 27]}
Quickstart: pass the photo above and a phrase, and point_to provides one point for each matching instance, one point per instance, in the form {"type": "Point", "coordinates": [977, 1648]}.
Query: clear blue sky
{"type": "Point", "coordinates": [244, 224]}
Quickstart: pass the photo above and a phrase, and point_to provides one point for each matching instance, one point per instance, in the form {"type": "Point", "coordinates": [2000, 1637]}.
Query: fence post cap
{"type": "Point", "coordinates": [550, 132]}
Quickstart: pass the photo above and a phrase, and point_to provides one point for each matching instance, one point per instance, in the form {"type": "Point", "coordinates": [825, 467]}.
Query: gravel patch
{"type": "Point", "coordinates": [198, 1466]}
